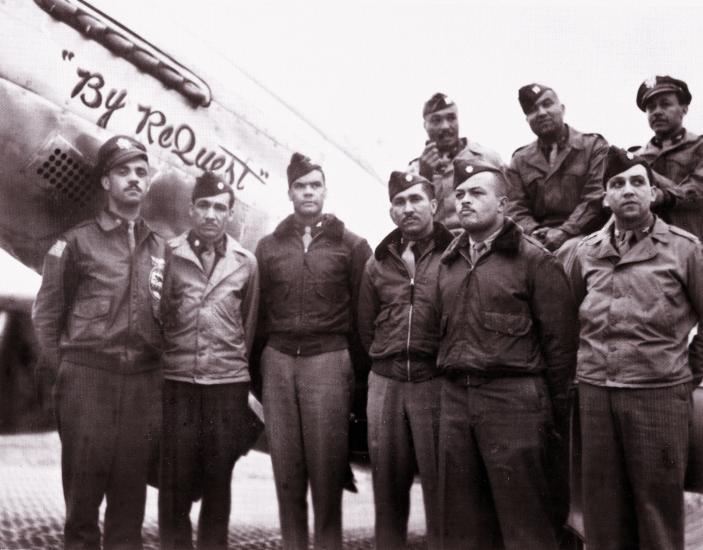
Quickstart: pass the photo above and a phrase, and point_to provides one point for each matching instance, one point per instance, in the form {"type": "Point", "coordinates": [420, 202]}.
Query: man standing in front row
{"type": "Point", "coordinates": [639, 283]}
{"type": "Point", "coordinates": [96, 321]}
{"type": "Point", "coordinates": [441, 121]}
{"type": "Point", "coordinates": [311, 268]}
{"type": "Point", "coordinates": [557, 180]}
{"type": "Point", "coordinates": [399, 326]}
{"type": "Point", "coordinates": [210, 300]}
{"type": "Point", "coordinates": [508, 354]}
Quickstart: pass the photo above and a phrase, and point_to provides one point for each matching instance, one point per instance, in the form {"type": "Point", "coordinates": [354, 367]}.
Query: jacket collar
{"type": "Point", "coordinates": [653, 146]}
{"type": "Point", "coordinates": [107, 221]}
{"type": "Point", "coordinates": [507, 242]}
{"type": "Point", "coordinates": [535, 157]}
{"type": "Point", "coordinates": [644, 250]}
{"type": "Point", "coordinates": [228, 263]}
{"type": "Point", "coordinates": [332, 227]}
{"type": "Point", "coordinates": [440, 235]}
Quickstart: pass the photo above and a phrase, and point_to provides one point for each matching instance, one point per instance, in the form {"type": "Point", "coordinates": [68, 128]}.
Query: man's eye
{"type": "Point", "coordinates": [220, 208]}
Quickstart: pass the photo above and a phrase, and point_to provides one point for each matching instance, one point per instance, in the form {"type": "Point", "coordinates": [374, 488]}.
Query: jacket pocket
{"type": "Point", "coordinates": [331, 291]}
{"type": "Point", "coordinates": [89, 318]}
{"type": "Point", "coordinates": [92, 308]}
{"type": "Point", "coordinates": [506, 323]}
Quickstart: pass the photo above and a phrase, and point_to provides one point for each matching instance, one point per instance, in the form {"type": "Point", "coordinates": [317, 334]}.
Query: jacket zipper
{"type": "Point", "coordinates": [410, 323]}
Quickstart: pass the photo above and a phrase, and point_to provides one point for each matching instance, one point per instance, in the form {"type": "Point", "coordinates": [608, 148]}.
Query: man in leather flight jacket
{"type": "Point", "coordinates": [508, 352]}
{"type": "Point", "coordinates": [95, 317]}
{"type": "Point", "coordinates": [399, 326]}
{"type": "Point", "coordinates": [310, 270]}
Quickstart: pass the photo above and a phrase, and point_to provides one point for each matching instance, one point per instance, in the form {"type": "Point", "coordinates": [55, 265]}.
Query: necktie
{"type": "Point", "coordinates": [408, 257]}
{"type": "Point", "coordinates": [207, 257]}
{"type": "Point", "coordinates": [477, 250]}
{"type": "Point", "coordinates": [130, 236]}
{"type": "Point", "coordinates": [627, 241]}
{"type": "Point", "coordinates": [307, 237]}
{"type": "Point", "coordinates": [553, 154]}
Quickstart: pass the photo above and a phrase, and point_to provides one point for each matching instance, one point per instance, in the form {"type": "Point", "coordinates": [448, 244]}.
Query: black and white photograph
{"type": "Point", "coordinates": [351, 275]}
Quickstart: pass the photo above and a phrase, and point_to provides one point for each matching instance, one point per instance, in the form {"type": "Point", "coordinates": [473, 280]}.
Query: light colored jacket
{"type": "Point", "coordinates": [209, 323]}
{"type": "Point", "coordinates": [636, 312]}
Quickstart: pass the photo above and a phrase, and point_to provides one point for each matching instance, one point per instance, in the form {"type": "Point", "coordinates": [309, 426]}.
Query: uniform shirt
{"type": "Point", "coordinates": [566, 195]}
{"type": "Point", "coordinates": [637, 310]}
{"type": "Point", "coordinates": [679, 165]}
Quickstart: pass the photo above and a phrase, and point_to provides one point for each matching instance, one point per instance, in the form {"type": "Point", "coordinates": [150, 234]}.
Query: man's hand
{"type": "Point", "coordinates": [540, 234]}
{"type": "Point", "coordinates": [430, 160]}
{"type": "Point", "coordinates": [554, 238]}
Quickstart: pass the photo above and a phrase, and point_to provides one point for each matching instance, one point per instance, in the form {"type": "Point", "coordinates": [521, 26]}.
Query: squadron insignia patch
{"type": "Point", "coordinates": [57, 248]}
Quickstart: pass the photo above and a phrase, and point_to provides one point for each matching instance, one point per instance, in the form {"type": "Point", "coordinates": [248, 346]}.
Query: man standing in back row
{"type": "Point", "coordinates": [311, 268]}
{"type": "Point", "coordinates": [441, 121]}
{"type": "Point", "coordinates": [96, 321]}
{"type": "Point", "coordinates": [674, 154]}
{"type": "Point", "coordinates": [557, 180]}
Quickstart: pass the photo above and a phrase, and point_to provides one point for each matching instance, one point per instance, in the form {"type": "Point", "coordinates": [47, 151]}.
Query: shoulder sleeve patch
{"type": "Point", "coordinates": [57, 248]}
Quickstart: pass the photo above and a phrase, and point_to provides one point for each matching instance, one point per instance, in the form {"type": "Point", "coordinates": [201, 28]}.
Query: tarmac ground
{"type": "Point", "coordinates": [32, 507]}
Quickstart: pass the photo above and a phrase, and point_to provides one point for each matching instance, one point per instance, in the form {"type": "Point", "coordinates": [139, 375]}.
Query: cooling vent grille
{"type": "Point", "coordinates": [63, 170]}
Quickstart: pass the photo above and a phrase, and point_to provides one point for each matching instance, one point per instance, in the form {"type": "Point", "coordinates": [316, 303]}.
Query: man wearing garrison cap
{"type": "Point", "coordinates": [399, 326]}
{"type": "Point", "coordinates": [311, 268]}
{"type": "Point", "coordinates": [507, 352]}
{"type": "Point", "coordinates": [441, 121]}
{"type": "Point", "coordinates": [674, 153]}
{"type": "Point", "coordinates": [210, 301]}
{"type": "Point", "coordinates": [95, 317]}
{"type": "Point", "coordinates": [639, 284]}
{"type": "Point", "coordinates": [556, 181]}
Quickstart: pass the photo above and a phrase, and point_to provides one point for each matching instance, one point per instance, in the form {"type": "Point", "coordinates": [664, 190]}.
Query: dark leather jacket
{"type": "Point", "coordinates": [511, 314]}
{"type": "Point", "coordinates": [98, 304]}
{"type": "Point", "coordinates": [308, 298]}
{"type": "Point", "coordinates": [398, 316]}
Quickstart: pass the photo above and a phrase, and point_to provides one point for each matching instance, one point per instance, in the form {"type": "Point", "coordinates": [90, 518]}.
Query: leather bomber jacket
{"type": "Point", "coordinates": [307, 298]}
{"type": "Point", "coordinates": [398, 317]}
{"type": "Point", "coordinates": [98, 304]}
{"type": "Point", "coordinates": [510, 314]}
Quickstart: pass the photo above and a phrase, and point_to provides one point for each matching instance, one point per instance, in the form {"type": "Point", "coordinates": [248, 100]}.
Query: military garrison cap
{"type": "Point", "coordinates": [466, 168]}
{"type": "Point", "coordinates": [117, 150]}
{"type": "Point", "coordinates": [209, 184]}
{"type": "Point", "coordinates": [400, 181]}
{"type": "Point", "coordinates": [618, 160]}
{"type": "Point", "coordinates": [436, 103]}
{"type": "Point", "coordinates": [299, 166]}
{"type": "Point", "coordinates": [661, 85]}
{"type": "Point", "coordinates": [529, 94]}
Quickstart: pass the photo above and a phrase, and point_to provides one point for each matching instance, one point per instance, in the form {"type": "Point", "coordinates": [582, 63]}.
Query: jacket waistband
{"type": "Point", "coordinates": [477, 378]}
{"type": "Point", "coordinates": [307, 345]}
{"type": "Point", "coordinates": [115, 362]}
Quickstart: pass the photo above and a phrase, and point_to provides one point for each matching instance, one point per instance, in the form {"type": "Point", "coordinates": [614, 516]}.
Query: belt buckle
{"type": "Point", "coordinates": [474, 381]}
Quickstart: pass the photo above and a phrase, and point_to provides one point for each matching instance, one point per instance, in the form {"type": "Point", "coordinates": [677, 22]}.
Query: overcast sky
{"type": "Point", "coordinates": [362, 70]}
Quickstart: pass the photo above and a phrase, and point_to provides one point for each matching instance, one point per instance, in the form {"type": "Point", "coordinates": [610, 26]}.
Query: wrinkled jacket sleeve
{"type": "Point", "coordinates": [589, 207]}
{"type": "Point", "coordinates": [250, 306]}
{"type": "Point", "coordinates": [519, 209]}
{"type": "Point", "coordinates": [368, 307]}
{"type": "Point", "coordinates": [695, 293]}
{"type": "Point", "coordinates": [554, 313]}
{"type": "Point", "coordinates": [54, 299]}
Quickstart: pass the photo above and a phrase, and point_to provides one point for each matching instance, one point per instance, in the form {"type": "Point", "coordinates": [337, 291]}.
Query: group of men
{"type": "Point", "coordinates": [479, 312]}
